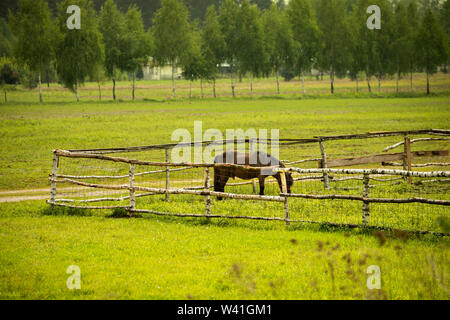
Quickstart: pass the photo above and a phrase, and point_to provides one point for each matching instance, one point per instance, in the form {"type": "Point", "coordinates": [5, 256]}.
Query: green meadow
{"type": "Point", "coordinates": [150, 257]}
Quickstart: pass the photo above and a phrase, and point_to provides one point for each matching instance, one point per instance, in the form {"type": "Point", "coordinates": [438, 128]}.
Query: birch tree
{"type": "Point", "coordinates": [432, 46]}
{"type": "Point", "coordinates": [306, 35]}
{"type": "Point", "coordinates": [139, 44]}
{"type": "Point", "coordinates": [113, 29]}
{"type": "Point", "coordinates": [78, 51]}
{"type": "Point", "coordinates": [213, 44]}
{"type": "Point", "coordinates": [34, 30]}
{"type": "Point", "coordinates": [279, 41]}
{"type": "Point", "coordinates": [228, 12]}
{"type": "Point", "coordinates": [171, 32]}
{"type": "Point", "coordinates": [252, 54]}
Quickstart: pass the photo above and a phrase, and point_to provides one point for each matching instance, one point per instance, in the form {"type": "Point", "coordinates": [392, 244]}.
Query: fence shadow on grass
{"type": "Point", "coordinates": [65, 211]}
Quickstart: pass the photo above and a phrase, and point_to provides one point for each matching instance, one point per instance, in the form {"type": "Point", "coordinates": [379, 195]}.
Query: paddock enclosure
{"type": "Point", "coordinates": [404, 186]}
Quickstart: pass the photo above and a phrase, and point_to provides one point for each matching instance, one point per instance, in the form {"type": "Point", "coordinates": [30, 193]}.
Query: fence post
{"type": "Point", "coordinates": [167, 174]}
{"type": "Point", "coordinates": [407, 156]}
{"type": "Point", "coordinates": [132, 190]}
{"type": "Point", "coordinates": [53, 183]}
{"type": "Point", "coordinates": [255, 189]}
{"type": "Point", "coordinates": [286, 210]}
{"type": "Point", "coordinates": [326, 182]}
{"type": "Point", "coordinates": [207, 197]}
{"type": "Point", "coordinates": [366, 194]}
{"type": "Point", "coordinates": [286, 201]}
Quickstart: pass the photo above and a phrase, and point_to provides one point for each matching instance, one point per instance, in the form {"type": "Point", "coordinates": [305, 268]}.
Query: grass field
{"type": "Point", "coordinates": [169, 258]}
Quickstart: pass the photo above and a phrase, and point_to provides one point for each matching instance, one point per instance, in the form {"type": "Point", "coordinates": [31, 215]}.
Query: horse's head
{"type": "Point", "coordinates": [289, 181]}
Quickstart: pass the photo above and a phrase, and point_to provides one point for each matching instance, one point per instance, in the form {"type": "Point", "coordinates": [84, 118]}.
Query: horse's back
{"type": "Point", "coordinates": [255, 159]}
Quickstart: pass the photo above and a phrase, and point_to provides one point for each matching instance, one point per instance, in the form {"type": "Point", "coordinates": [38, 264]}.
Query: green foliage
{"type": "Point", "coordinates": [334, 54]}
{"type": "Point", "coordinates": [34, 30]}
{"type": "Point", "coordinates": [287, 73]}
{"type": "Point", "coordinates": [403, 43]}
{"type": "Point", "coordinates": [139, 44]}
{"type": "Point", "coordinates": [193, 61]}
{"type": "Point", "coordinates": [413, 20]}
{"type": "Point", "coordinates": [250, 39]}
{"type": "Point", "coordinates": [35, 33]}
{"type": "Point", "coordinates": [228, 12]}
{"type": "Point", "coordinates": [305, 32]}
{"type": "Point", "coordinates": [173, 36]}
{"type": "Point", "coordinates": [357, 43]}
{"type": "Point", "coordinates": [431, 44]}
{"type": "Point", "coordinates": [445, 17]}
{"type": "Point", "coordinates": [79, 51]}
{"type": "Point", "coordinates": [6, 39]}
{"type": "Point", "coordinates": [279, 42]}
{"type": "Point", "coordinates": [381, 57]}
{"type": "Point", "coordinates": [213, 41]}
{"type": "Point", "coordinates": [9, 74]}
{"type": "Point", "coordinates": [171, 31]}
{"type": "Point", "coordinates": [113, 29]}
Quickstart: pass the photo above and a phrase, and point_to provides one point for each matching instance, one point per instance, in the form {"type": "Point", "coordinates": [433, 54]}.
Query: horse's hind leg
{"type": "Point", "coordinates": [261, 185]}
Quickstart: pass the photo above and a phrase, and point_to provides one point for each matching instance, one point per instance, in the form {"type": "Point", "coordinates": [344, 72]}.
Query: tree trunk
{"type": "Point", "coordinates": [190, 90]}
{"type": "Point", "coordinates": [99, 91]}
{"type": "Point", "coordinates": [332, 80]}
{"type": "Point", "coordinates": [201, 88]}
{"type": "Point", "coordinates": [6, 99]}
{"type": "Point", "coordinates": [40, 87]}
{"type": "Point", "coordinates": [278, 81]}
{"type": "Point", "coordinates": [48, 79]}
{"type": "Point", "coordinates": [379, 83]}
{"type": "Point", "coordinates": [368, 82]}
{"type": "Point", "coordinates": [303, 83]}
{"type": "Point", "coordinates": [214, 87]}
{"type": "Point", "coordinates": [357, 85]}
{"type": "Point", "coordinates": [428, 83]}
{"type": "Point", "coordinates": [76, 91]}
{"type": "Point", "coordinates": [134, 84]}
{"type": "Point", "coordinates": [232, 82]}
{"type": "Point", "coordinates": [398, 78]}
{"type": "Point", "coordinates": [114, 88]}
{"type": "Point", "coordinates": [411, 81]}
{"type": "Point", "coordinates": [251, 84]}
{"type": "Point", "coordinates": [173, 80]}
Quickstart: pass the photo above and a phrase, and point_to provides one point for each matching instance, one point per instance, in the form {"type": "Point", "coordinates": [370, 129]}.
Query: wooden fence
{"type": "Point", "coordinates": [365, 175]}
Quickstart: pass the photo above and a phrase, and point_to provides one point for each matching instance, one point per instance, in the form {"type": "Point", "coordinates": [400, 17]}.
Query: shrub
{"type": "Point", "coordinates": [287, 74]}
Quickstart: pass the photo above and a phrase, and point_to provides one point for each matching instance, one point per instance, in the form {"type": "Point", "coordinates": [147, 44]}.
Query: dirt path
{"type": "Point", "coordinates": [35, 194]}
{"type": "Point", "coordinates": [44, 193]}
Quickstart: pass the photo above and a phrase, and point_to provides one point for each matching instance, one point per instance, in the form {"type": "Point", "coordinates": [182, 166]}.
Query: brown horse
{"type": "Point", "coordinates": [255, 159]}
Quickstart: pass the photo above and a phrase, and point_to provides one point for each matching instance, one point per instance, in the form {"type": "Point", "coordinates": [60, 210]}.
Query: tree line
{"type": "Point", "coordinates": [330, 36]}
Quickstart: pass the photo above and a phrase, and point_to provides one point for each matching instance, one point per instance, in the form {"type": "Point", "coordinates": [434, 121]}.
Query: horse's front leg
{"type": "Point", "coordinates": [261, 185]}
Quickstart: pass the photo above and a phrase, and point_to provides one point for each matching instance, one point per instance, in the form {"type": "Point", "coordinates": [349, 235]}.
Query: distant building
{"type": "Point", "coordinates": [154, 72]}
